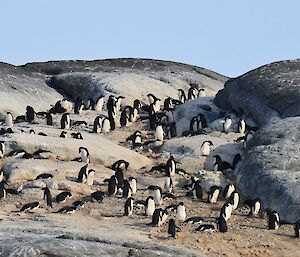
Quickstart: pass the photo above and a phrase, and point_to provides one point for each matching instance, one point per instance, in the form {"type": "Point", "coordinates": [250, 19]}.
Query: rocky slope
{"type": "Point", "coordinates": [270, 95]}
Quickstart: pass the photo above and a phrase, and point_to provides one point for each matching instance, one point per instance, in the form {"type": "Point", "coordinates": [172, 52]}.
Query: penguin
{"type": "Point", "coordinates": [65, 121]}
{"type": "Point", "coordinates": [228, 190]}
{"type": "Point", "coordinates": [201, 121]}
{"type": "Point", "coordinates": [67, 210]}
{"type": "Point", "coordinates": [222, 224]}
{"type": "Point", "coordinates": [97, 127]}
{"type": "Point", "coordinates": [90, 104]}
{"type": "Point", "coordinates": [137, 104]}
{"type": "Point", "coordinates": [254, 205]}
{"type": "Point", "coordinates": [119, 102]}
{"type": "Point", "coordinates": [63, 134]}
{"type": "Point", "coordinates": [30, 114]}
{"type": "Point", "coordinates": [201, 92]}
{"type": "Point", "coordinates": [84, 154]}
{"type": "Point", "coordinates": [274, 221]}
{"type": "Point", "coordinates": [248, 137]}
{"type": "Point", "coordinates": [128, 208]}
{"type": "Point", "coordinates": [226, 210]}
{"type": "Point", "coordinates": [2, 149]}
{"type": "Point", "coordinates": [63, 196]}
{"type": "Point", "coordinates": [156, 193]}
{"type": "Point", "coordinates": [194, 220]}
{"type": "Point", "coordinates": [237, 158]}
{"type": "Point", "coordinates": [77, 135]}
{"type": "Point", "coordinates": [44, 176]}
{"type": "Point", "coordinates": [126, 189]}
{"type": "Point", "coordinates": [297, 229]}
{"type": "Point", "coordinates": [30, 207]}
{"type": "Point", "coordinates": [90, 177]}
{"type": "Point", "coordinates": [98, 196]}
{"type": "Point", "coordinates": [168, 105]}
{"type": "Point", "coordinates": [134, 115]}
{"type": "Point", "coordinates": [32, 132]}
{"type": "Point", "coordinates": [197, 190]}
{"type": "Point", "coordinates": [168, 184]}
{"type": "Point", "coordinates": [192, 92]}
{"type": "Point", "coordinates": [111, 107]}
{"type": "Point", "coordinates": [181, 95]}
{"type": "Point", "coordinates": [124, 119]}
{"type": "Point", "coordinates": [120, 177]}
{"type": "Point", "coordinates": [83, 174]}
{"type": "Point", "coordinates": [235, 198]}
{"type": "Point", "coordinates": [220, 165]}
{"type": "Point", "coordinates": [79, 106]}
{"type": "Point", "coordinates": [213, 194]}
{"type": "Point", "coordinates": [171, 166]}
{"type": "Point", "coordinates": [132, 183]}
{"type": "Point", "coordinates": [49, 120]}
{"type": "Point", "coordinates": [9, 119]}
{"type": "Point", "coordinates": [172, 228]}
{"type": "Point", "coordinates": [205, 148]}
{"type": "Point", "coordinates": [206, 227]}
{"type": "Point", "coordinates": [99, 104]}
{"type": "Point", "coordinates": [120, 164]}
{"type": "Point", "coordinates": [159, 132]}
{"type": "Point", "coordinates": [241, 126]}
{"type": "Point", "coordinates": [105, 125]}
{"type": "Point", "coordinates": [2, 189]}
{"type": "Point", "coordinates": [157, 214]}
{"type": "Point", "coordinates": [163, 217]}
{"type": "Point", "coordinates": [78, 204]}
{"type": "Point", "coordinates": [150, 206]}
{"type": "Point", "coordinates": [151, 98]}
{"type": "Point", "coordinates": [47, 197]}
{"type": "Point", "coordinates": [112, 185]}
{"type": "Point", "coordinates": [194, 124]}
{"type": "Point", "coordinates": [227, 124]}
{"type": "Point", "coordinates": [180, 212]}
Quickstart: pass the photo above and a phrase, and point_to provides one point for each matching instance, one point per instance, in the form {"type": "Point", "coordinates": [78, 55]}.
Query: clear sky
{"type": "Point", "coordinates": [229, 37]}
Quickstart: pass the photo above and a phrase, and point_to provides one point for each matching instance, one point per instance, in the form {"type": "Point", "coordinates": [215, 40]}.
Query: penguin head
{"type": "Point", "coordinates": [91, 171]}
{"type": "Point", "coordinates": [181, 204]}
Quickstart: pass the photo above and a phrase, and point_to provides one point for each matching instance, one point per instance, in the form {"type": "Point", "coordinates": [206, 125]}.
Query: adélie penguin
{"type": "Point", "coordinates": [128, 208]}
{"type": "Point", "coordinates": [172, 228]}
{"type": "Point", "coordinates": [47, 197]}
{"type": "Point", "coordinates": [30, 207]}
{"type": "Point", "coordinates": [205, 148]}
{"type": "Point", "coordinates": [222, 224]}
{"type": "Point", "coordinates": [180, 212]}
{"type": "Point", "coordinates": [63, 196]}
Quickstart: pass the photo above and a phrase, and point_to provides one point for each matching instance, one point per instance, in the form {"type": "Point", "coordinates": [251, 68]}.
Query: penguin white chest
{"type": "Point", "coordinates": [106, 126]}
{"type": "Point", "coordinates": [205, 149]}
{"type": "Point", "coordinates": [99, 105]}
{"type": "Point", "coordinates": [84, 156]}
{"type": "Point", "coordinates": [159, 133]}
{"type": "Point", "coordinates": [9, 120]}
{"type": "Point", "coordinates": [214, 196]}
{"type": "Point", "coordinates": [90, 178]}
{"type": "Point", "coordinates": [150, 208]}
{"type": "Point", "coordinates": [157, 197]}
{"type": "Point", "coordinates": [181, 214]}
{"type": "Point", "coordinates": [132, 184]}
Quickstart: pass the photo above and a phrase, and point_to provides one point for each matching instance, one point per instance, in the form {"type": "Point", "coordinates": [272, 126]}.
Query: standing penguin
{"type": "Point", "coordinates": [30, 114]}
{"type": "Point", "coordinates": [65, 121]}
{"type": "Point", "coordinates": [151, 98]}
{"type": "Point", "coordinates": [9, 119]}
{"type": "Point", "coordinates": [105, 125]}
{"type": "Point", "coordinates": [222, 224]}
{"type": "Point", "coordinates": [83, 174]}
{"type": "Point", "coordinates": [120, 178]}
{"type": "Point", "coordinates": [213, 194]}
{"type": "Point", "coordinates": [157, 196]}
{"type": "Point", "coordinates": [197, 190]}
{"type": "Point", "coordinates": [150, 206]}
{"type": "Point", "coordinates": [274, 221]}
{"type": "Point", "coordinates": [2, 149]}
{"type": "Point", "coordinates": [194, 124]}
{"type": "Point", "coordinates": [168, 184]}
{"type": "Point", "coordinates": [79, 106]}
{"type": "Point", "coordinates": [171, 166]}
{"type": "Point", "coordinates": [172, 228]}
{"type": "Point", "coordinates": [159, 132]}
{"type": "Point", "coordinates": [201, 121]}
{"type": "Point", "coordinates": [90, 104]}
{"type": "Point", "coordinates": [226, 210]}
{"type": "Point", "coordinates": [99, 104]}
{"type": "Point", "coordinates": [228, 190]}
{"type": "Point", "coordinates": [128, 208]}
{"type": "Point", "coordinates": [97, 127]}
{"type": "Point", "coordinates": [192, 93]}
{"type": "Point", "coordinates": [2, 190]}
{"type": "Point", "coordinates": [126, 189]}
{"type": "Point", "coordinates": [241, 126]}
{"type": "Point", "coordinates": [156, 217]}
{"type": "Point", "coordinates": [90, 177]}
{"type": "Point", "coordinates": [132, 183]}
{"type": "Point", "coordinates": [112, 185]}
{"type": "Point", "coordinates": [84, 154]}
{"type": "Point", "coordinates": [181, 95]}
{"type": "Point", "coordinates": [297, 229]}
{"type": "Point", "coordinates": [201, 92]}
{"type": "Point", "coordinates": [227, 124]}
{"type": "Point", "coordinates": [205, 148]}
{"type": "Point", "coordinates": [181, 213]}
{"type": "Point", "coordinates": [119, 102]}
{"type": "Point", "coordinates": [235, 198]}
{"type": "Point", "coordinates": [254, 206]}
{"type": "Point", "coordinates": [49, 120]}
{"type": "Point", "coordinates": [63, 134]}
{"type": "Point", "coordinates": [47, 197]}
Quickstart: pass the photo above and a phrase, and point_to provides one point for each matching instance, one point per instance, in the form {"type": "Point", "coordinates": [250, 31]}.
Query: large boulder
{"type": "Point", "coordinates": [270, 170]}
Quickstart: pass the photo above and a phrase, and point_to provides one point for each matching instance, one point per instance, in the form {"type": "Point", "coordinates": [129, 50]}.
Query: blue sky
{"type": "Point", "coordinates": [229, 37]}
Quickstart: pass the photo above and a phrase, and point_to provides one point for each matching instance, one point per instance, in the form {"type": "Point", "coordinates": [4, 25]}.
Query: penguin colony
{"type": "Point", "coordinates": [161, 123]}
